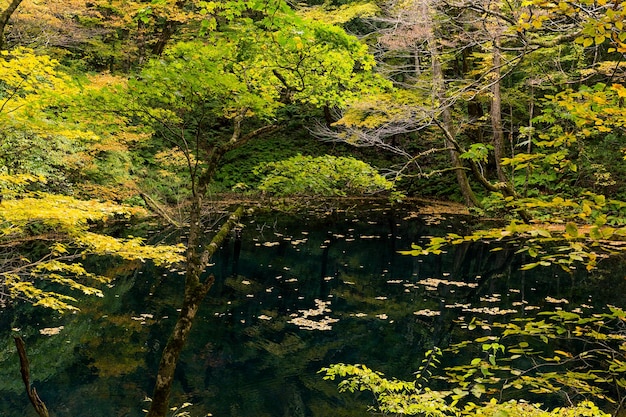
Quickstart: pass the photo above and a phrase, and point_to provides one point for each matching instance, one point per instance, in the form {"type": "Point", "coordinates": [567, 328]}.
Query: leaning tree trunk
{"type": "Point", "coordinates": [195, 292]}
{"type": "Point", "coordinates": [4, 20]}
{"type": "Point", "coordinates": [496, 112]}
{"type": "Point", "coordinates": [461, 176]}
{"type": "Point", "coordinates": [439, 94]}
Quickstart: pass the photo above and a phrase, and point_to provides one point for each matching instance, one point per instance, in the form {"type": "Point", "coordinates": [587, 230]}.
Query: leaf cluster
{"type": "Point", "coordinates": [322, 176]}
{"type": "Point", "coordinates": [555, 353]}
{"type": "Point", "coordinates": [62, 227]}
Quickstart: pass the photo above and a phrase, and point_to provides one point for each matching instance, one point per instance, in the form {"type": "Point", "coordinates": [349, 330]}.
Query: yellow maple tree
{"type": "Point", "coordinates": [63, 229]}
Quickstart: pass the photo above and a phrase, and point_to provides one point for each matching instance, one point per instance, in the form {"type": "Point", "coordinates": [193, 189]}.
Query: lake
{"type": "Point", "coordinates": [295, 294]}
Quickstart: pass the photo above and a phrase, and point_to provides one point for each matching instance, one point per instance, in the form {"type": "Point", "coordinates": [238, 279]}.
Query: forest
{"type": "Point", "coordinates": [120, 112]}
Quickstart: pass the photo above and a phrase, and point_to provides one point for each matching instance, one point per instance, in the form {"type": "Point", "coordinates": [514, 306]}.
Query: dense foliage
{"type": "Point", "coordinates": [563, 355]}
{"type": "Point", "coordinates": [322, 176]}
{"type": "Point", "coordinates": [109, 107]}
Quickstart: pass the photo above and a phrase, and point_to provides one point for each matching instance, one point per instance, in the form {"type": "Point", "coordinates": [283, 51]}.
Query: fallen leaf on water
{"type": "Point", "coordinates": [427, 313]}
{"type": "Point", "coordinates": [556, 301]}
{"type": "Point", "coordinates": [50, 331]}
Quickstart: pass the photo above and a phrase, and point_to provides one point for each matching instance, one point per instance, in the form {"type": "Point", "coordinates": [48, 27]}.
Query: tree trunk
{"type": "Point", "coordinates": [503, 187]}
{"type": "Point", "coordinates": [461, 176]}
{"type": "Point", "coordinates": [531, 112]}
{"type": "Point", "coordinates": [439, 94]}
{"type": "Point", "coordinates": [4, 20]}
{"type": "Point", "coordinates": [496, 112]}
{"type": "Point", "coordinates": [167, 31]}
{"type": "Point", "coordinates": [174, 347]}
{"type": "Point", "coordinates": [195, 292]}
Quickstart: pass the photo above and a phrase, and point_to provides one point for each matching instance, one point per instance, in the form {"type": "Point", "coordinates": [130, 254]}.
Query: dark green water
{"type": "Point", "coordinates": [294, 295]}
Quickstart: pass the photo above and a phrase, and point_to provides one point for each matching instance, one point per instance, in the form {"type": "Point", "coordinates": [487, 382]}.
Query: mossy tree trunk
{"type": "Point", "coordinates": [196, 290]}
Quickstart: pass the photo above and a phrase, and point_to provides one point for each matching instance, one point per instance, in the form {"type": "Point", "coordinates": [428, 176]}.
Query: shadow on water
{"type": "Point", "coordinates": [292, 295]}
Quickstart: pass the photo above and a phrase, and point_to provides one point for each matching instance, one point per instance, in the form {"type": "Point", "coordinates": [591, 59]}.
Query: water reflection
{"type": "Point", "coordinates": [292, 295]}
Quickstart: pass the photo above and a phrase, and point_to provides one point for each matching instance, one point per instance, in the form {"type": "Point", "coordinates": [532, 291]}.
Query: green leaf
{"type": "Point", "coordinates": [571, 229]}
{"type": "Point", "coordinates": [529, 266]}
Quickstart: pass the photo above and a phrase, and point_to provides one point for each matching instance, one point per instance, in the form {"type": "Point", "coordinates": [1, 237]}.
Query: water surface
{"type": "Point", "coordinates": [297, 293]}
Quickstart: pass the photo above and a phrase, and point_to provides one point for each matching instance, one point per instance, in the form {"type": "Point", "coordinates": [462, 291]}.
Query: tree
{"type": "Point", "coordinates": [56, 230]}
{"type": "Point", "coordinates": [212, 95]}
{"type": "Point", "coordinates": [411, 33]}
{"type": "Point", "coordinates": [477, 48]}
{"type": "Point", "coordinates": [114, 35]}
{"type": "Point", "coordinates": [4, 20]}
{"type": "Point", "coordinates": [138, 30]}
{"type": "Point", "coordinates": [53, 26]}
